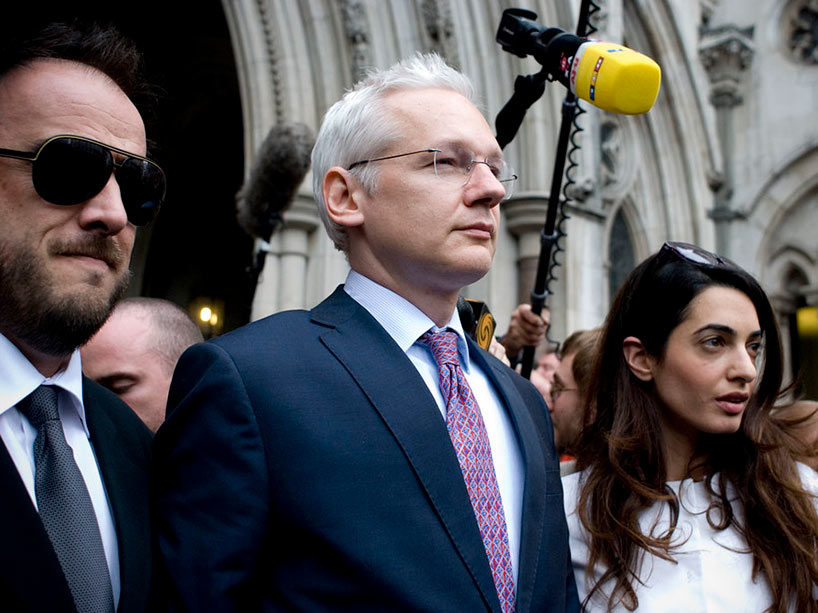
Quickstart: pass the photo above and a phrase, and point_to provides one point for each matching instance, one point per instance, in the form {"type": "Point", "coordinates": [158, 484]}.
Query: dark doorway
{"type": "Point", "coordinates": [197, 253]}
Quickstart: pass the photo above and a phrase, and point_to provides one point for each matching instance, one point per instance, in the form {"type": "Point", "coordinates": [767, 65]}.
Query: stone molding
{"type": "Point", "coordinates": [265, 11]}
{"type": "Point", "coordinates": [525, 213]}
{"type": "Point", "coordinates": [726, 52]}
{"type": "Point", "coordinates": [801, 23]}
{"type": "Point", "coordinates": [437, 19]}
{"type": "Point", "coordinates": [357, 30]}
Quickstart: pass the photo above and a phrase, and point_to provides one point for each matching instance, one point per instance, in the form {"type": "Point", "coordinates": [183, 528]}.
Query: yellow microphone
{"type": "Point", "coordinates": [609, 76]}
{"type": "Point", "coordinates": [614, 78]}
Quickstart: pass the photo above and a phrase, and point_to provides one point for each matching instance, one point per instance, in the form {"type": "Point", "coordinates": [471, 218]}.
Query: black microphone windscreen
{"type": "Point", "coordinates": [279, 167]}
{"type": "Point", "coordinates": [466, 314]}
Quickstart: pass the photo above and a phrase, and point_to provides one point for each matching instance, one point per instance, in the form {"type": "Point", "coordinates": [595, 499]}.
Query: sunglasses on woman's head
{"type": "Point", "coordinates": [697, 255]}
{"type": "Point", "coordinates": [68, 170]}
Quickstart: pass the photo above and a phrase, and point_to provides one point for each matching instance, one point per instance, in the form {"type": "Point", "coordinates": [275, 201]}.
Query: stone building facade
{"type": "Point", "coordinates": [727, 158]}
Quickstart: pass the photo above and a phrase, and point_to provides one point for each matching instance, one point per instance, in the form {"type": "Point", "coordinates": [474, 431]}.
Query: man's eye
{"type": "Point", "coordinates": [120, 387]}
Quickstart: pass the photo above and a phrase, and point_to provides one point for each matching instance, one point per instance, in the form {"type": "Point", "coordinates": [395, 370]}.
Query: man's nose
{"type": "Point", "coordinates": [105, 212]}
{"type": "Point", "coordinates": [482, 186]}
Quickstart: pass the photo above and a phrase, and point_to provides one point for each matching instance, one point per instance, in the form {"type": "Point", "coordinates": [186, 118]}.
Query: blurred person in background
{"type": "Point", "coordinates": [569, 393]}
{"type": "Point", "coordinates": [135, 352]}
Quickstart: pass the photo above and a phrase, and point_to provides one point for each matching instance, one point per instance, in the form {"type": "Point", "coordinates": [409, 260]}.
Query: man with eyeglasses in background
{"type": "Point", "coordinates": [73, 183]}
{"type": "Point", "coordinates": [569, 394]}
{"type": "Point", "coordinates": [366, 455]}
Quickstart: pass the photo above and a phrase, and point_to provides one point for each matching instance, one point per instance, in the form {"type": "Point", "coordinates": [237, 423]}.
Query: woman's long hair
{"type": "Point", "coordinates": [621, 447]}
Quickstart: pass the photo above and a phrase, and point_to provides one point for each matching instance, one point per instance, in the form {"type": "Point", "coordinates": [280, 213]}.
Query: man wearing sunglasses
{"type": "Point", "coordinates": [74, 182]}
{"type": "Point", "coordinates": [366, 455]}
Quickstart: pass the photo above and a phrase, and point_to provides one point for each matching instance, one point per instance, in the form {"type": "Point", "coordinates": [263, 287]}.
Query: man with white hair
{"type": "Point", "coordinates": [365, 455]}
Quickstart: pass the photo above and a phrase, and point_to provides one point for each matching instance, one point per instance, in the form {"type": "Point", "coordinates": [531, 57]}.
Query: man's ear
{"type": "Point", "coordinates": [638, 359]}
{"type": "Point", "coordinates": [341, 192]}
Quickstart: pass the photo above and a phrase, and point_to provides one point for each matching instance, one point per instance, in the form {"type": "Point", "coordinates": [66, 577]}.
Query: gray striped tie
{"type": "Point", "coordinates": [65, 506]}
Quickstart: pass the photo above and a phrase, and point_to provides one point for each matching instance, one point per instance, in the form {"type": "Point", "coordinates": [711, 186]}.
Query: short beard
{"type": "Point", "coordinates": [32, 314]}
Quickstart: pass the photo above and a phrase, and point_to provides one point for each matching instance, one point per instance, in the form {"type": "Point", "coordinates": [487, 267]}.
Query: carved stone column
{"type": "Point", "coordinates": [282, 283]}
{"type": "Point", "coordinates": [525, 217]}
{"type": "Point", "coordinates": [726, 52]}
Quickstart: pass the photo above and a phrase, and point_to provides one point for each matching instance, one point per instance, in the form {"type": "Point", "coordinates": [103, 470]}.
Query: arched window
{"type": "Point", "coordinates": [803, 329]}
{"type": "Point", "coordinates": [620, 253]}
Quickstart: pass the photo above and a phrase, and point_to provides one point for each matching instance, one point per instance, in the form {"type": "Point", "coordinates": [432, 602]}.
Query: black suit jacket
{"type": "Point", "coordinates": [304, 466]}
{"type": "Point", "coordinates": [31, 578]}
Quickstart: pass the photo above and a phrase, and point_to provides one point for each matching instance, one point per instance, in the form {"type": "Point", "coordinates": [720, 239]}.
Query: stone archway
{"type": "Point", "coordinates": [786, 214]}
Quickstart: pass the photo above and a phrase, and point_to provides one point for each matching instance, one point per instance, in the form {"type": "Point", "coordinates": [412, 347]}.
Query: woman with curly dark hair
{"type": "Point", "coordinates": [688, 498]}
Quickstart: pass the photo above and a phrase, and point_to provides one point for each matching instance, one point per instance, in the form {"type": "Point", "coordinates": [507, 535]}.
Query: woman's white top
{"type": "Point", "coordinates": [712, 573]}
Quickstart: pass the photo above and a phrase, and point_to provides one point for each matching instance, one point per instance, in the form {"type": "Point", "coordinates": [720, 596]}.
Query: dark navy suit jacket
{"type": "Point", "coordinates": [304, 466]}
{"type": "Point", "coordinates": [31, 578]}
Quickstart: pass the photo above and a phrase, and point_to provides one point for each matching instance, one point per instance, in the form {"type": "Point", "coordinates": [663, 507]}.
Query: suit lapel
{"type": "Point", "coordinates": [126, 489]}
{"type": "Point", "coordinates": [28, 567]}
{"type": "Point", "coordinates": [534, 507]}
{"type": "Point", "coordinates": [398, 393]}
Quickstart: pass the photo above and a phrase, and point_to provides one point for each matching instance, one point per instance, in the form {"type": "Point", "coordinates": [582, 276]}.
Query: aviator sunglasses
{"type": "Point", "coordinates": [68, 170]}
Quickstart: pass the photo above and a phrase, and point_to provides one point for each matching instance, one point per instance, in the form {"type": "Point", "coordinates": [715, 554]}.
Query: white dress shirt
{"type": "Point", "coordinates": [711, 570]}
{"type": "Point", "coordinates": [405, 323]}
{"type": "Point", "coordinates": [18, 378]}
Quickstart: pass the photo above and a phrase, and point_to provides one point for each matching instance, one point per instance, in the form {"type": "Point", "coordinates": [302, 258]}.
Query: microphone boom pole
{"type": "Point", "coordinates": [549, 234]}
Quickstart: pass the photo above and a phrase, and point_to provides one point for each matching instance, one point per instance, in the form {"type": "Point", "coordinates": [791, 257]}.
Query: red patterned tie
{"type": "Point", "coordinates": [471, 443]}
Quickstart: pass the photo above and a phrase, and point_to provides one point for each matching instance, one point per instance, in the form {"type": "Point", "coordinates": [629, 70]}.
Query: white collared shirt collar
{"type": "Point", "coordinates": [19, 377]}
{"type": "Point", "coordinates": [401, 319]}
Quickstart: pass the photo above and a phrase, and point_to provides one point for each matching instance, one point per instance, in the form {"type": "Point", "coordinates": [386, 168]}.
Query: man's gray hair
{"type": "Point", "coordinates": [357, 128]}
